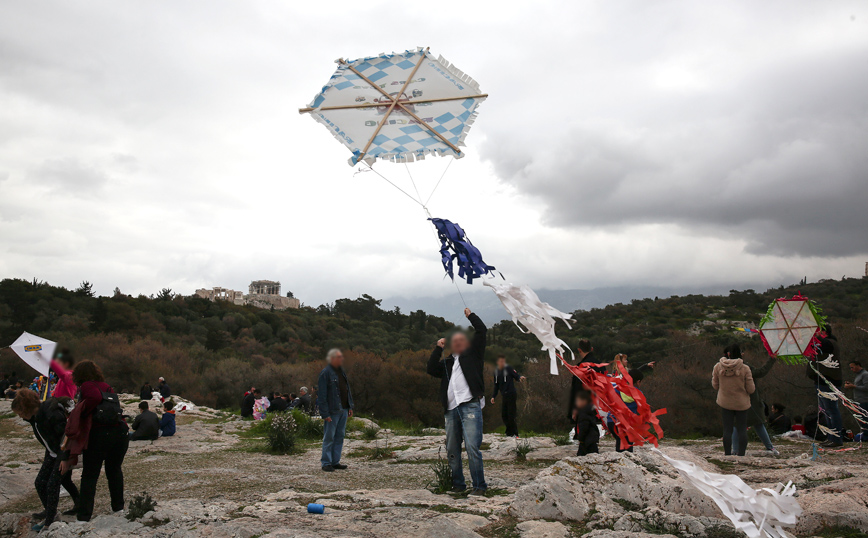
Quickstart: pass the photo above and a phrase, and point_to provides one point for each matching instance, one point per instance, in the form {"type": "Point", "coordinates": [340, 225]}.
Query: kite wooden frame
{"type": "Point", "coordinates": [393, 103]}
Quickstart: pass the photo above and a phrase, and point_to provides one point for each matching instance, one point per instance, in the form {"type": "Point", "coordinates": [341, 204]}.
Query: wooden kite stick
{"type": "Point", "coordinates": [372, 105]}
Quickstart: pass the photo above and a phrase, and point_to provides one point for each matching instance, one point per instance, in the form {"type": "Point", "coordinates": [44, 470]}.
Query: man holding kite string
{"type": "Point", "coordinates": [462, 393]}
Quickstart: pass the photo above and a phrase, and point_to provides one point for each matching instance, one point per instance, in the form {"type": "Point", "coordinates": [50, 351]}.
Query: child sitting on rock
{"type": "Point", "coordinates": [587, 433]}
{"type": "Point", "coordinates": [167, 421]}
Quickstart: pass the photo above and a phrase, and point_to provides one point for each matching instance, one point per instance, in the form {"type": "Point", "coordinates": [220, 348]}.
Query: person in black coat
{"type": "Point", "coordinates": [165, 391]}
{"type": "Point", "coordinates": [304, 400]}
{"type": "Point", "coordinates": [829, 348]}
{"type": "Point", "coordinates": [586, 355]}
{"type": "Point", "coordinates": [48, 420]}
{"type": "Point", "coordinates": [462, 394]}
{"type": "Point", "coordinates": [249, 401]}
{"type": "Point", "coordinates": [146, 392]}
{"type": "Point", "coordinates": [504, 382]}
{"type": "Point", "coordinates": [587, 433]}
{"type": "Point", "coordinates": [278, 404]}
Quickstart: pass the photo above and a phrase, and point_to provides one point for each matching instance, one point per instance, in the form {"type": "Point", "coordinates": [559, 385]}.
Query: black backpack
{"type": "Point", "coordinates": [109, 411]}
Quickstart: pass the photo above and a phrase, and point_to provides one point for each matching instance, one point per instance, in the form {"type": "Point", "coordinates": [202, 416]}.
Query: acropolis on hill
{"type": "Point", "coordinates": [261, 293]}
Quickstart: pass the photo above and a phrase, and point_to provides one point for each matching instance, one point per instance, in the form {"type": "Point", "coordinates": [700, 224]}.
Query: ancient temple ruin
{"type": "Point", "coordinates": [262, 294]}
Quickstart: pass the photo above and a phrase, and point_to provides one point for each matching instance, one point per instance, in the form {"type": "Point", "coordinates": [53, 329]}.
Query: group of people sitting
{"type": "Point", "coordinates": [147, 426]}
{"type": "Point", "coordinates": [255, 405]}
{"type": "Point", "coordinates": [81, 419]}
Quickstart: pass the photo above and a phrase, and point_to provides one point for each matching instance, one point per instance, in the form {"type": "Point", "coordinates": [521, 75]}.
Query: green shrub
{"type": "Point", "coordinates": [370, 433]}
{"type": "Point", "coordinates": [442, 481]}
{"type": "Point", "coordinates": [307, 427]}
{"type": "Point", "coordinates": [140, 505]}
{"type": "Point", "coordinates": [522, 449]}
{"type": "Point", "coordinates": [562, 440]}
{"type": "Point", "coordinates": [281, 433]}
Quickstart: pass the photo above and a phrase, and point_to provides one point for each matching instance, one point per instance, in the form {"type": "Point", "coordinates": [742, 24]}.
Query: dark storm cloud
{"type": "Point", "coordinates": [778, 158]}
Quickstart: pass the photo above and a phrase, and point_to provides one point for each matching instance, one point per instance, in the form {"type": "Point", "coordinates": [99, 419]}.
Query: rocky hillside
{"type": "Point", "coordinates": [214, 479]}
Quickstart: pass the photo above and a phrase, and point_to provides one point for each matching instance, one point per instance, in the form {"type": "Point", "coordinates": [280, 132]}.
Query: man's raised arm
{"type": "Point", "coordinates": [435, 365]}
{"type": "Point", "coordinates": [478, 343]}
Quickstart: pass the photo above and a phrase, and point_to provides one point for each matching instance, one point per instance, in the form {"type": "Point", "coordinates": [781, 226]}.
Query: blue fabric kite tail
{"type": "Point", "coordinates": [455, 245]}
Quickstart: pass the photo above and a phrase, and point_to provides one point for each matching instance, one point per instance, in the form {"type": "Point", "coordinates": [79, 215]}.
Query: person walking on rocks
{"type": "Point", "coordinates": [829, 349]}
{"type": "Point", "coordinates": [733, 381]}
{"type": "Point", "coordinates": [462, 394]}
{"type": "Point", "coordinates": [335, 403]}
{"type": "Point", "coordinates": [504, 381]}
{"type": "Point", "coordinates": [96, 430]}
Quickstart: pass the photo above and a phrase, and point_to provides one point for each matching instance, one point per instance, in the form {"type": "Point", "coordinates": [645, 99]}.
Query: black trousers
{"type": "Point", "coordinates": [619, 445]}
{"type": "Point", "coordinates": [739, 419]}
{"type": "Point", "coordinates": [509, 413]}
{"type": "Point", "coordinates": [48, 482]}
{"type": "Point", "coordinates": [106, 446]}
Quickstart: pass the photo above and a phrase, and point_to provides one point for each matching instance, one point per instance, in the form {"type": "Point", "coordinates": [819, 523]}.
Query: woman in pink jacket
{"type": "Point", "coordinates": [62, 366]}
{"type": "Point", "coordinates": [733, 381]}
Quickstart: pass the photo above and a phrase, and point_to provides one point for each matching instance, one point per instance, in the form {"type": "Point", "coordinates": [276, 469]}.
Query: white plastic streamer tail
{"type": "Point", "coordinates": [829, 362]}
{"type": "Point", "coordinates": [828, 395]}
{"type": "Point", "coordinates": [827, 431]}
{"type": "Point", "coordinates": [759, 513]}
{"type": "Point", "coordinates": [531, 315]}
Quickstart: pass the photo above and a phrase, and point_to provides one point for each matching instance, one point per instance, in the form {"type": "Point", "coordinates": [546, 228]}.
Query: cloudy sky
{"type": "Point", "coordinates": [158, 144]}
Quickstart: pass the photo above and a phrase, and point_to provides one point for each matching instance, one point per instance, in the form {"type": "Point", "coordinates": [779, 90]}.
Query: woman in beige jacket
{"type": "Point", "coordinates": [733, 381]}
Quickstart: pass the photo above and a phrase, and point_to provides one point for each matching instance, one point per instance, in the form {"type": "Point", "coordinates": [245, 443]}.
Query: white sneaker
{"type": "Point", "coordinates": [774, 452]}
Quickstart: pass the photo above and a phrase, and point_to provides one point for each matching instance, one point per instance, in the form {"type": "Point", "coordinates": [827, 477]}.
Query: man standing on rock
{"type": "Point", "coordinates": [462, 393]}
{"type": "Point", "coordinates": [335, 402]}
{"type": "Point", "coordinates": [504, 382]}
{"type": "Point", "coordinates": [586, 355]}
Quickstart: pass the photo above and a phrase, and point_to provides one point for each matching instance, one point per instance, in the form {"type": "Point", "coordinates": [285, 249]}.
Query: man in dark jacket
{"type": "Point", "coordinates": [586, 355]}
{"type": "Point", "coordinates": [335, 402]}
{"type": "Point", "coordinates": [48, 420]}
{"type": "Point", "coordinates": [278, 404]}
{"type": "Point", "coordinates": [462, 394]}
{"type": "Point", "coordinates": [829, 349]}
{"type": "Point", "coordinates": [587, 433]}
{"type": "Point", "coordinates": [249, 401]}
{"type": "Point", "coordinates": [504, 382]}
{"type": "Point", "coordinates": [304, 400]}
{"type": "Point", "coordinates": [164, 389]}
{"type": "Point", "coordinates": [146, 426]}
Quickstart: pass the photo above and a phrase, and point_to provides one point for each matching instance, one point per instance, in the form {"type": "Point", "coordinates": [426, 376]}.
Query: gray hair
{"type": "Point", "coordinates": [303, 390]}
{"type": "Point", "coordinates": [331, 354]}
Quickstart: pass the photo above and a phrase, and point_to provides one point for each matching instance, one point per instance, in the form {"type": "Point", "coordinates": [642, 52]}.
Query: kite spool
{"type": "Point", "coordinates": [314, 508]}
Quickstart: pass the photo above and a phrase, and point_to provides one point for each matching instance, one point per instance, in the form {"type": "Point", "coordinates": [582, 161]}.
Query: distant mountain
{"type": "Point", "coordinates": [486, 304]}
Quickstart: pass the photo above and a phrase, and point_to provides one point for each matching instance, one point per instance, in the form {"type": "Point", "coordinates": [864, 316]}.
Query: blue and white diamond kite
{"type": "Point", "coordinates": [399, 107]}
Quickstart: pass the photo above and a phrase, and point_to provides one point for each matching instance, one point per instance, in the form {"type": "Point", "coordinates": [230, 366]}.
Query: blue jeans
{"type": "Point", "coordinates": [464, 424]}
{"type": "Point", "coordinates": [761, 431]}
{"type": "Point", "coordinates": [333, 438]}
{"type": "Point", "coordinates": [833, 415]}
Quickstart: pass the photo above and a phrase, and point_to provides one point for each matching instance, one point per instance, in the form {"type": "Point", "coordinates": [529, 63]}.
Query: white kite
{"type": "Point", "coordinates": [756, 512]}
{"type": "Point", "coordinates": [537, 317]}
{"type": "Point", "coordinates": [35, 351]}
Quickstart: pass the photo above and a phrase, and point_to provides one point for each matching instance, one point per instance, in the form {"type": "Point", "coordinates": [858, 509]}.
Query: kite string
{"type": "Point", "coordinates": [438, 181]}
{"type": "Point", "coordinates": [405, 193]}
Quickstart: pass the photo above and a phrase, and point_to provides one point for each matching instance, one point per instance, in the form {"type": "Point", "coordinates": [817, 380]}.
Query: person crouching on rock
{"type": "Point", "coordinates": [462, 393]}
{"type": "Point", "coordinates": [335, 402]}
{"type": "Point", "coordinates": [48, 420]}
{"type": "Point", "coordinates": [167, 421]}
{"type": "Point", "coordinates": [587, 433]}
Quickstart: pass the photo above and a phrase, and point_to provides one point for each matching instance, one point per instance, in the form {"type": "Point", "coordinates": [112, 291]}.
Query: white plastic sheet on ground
{"type": "Point", "coordinates": [35, 351]}
{"type": "Point", "coordinates": [531, 315]}
{"type": "Point", "coordinates": [758, 513]}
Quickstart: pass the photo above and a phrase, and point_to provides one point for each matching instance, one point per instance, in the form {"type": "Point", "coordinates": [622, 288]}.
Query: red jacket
{"type": "Point", "coordinates": [65, 385]}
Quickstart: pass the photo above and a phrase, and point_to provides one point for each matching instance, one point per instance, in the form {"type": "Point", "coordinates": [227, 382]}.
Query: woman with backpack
{"type": "Point", "coordinates": [96, 431]}
{"type": "Point", "coordinates": [48, 420]}
{"type": "Point", "coordinates": [733, 381]}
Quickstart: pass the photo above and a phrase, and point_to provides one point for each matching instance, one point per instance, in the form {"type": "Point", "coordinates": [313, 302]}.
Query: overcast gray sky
{"type": "Point", "coordinates": [151, 145]}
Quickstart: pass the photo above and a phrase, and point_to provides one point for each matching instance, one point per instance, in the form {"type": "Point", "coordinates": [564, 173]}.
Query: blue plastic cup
{"type": "Point", "coordinates": [315, 508]}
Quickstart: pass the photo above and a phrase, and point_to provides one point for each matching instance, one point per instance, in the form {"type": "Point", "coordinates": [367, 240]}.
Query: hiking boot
{"type": "Point", "coordinates": [477, 491]}
{"type": "Point", "coordinates": [71, 512]}
{"type": "Point", "coordinates": [456, 489]}
{"type": "Point", "coordinates": [832, 444]}
{"type": "Point", "coordinates": [328, 468]}
{"type": "Point", "coordinates": [38, 515]}
{"type": "Point", "coordinates": [339, 466]}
